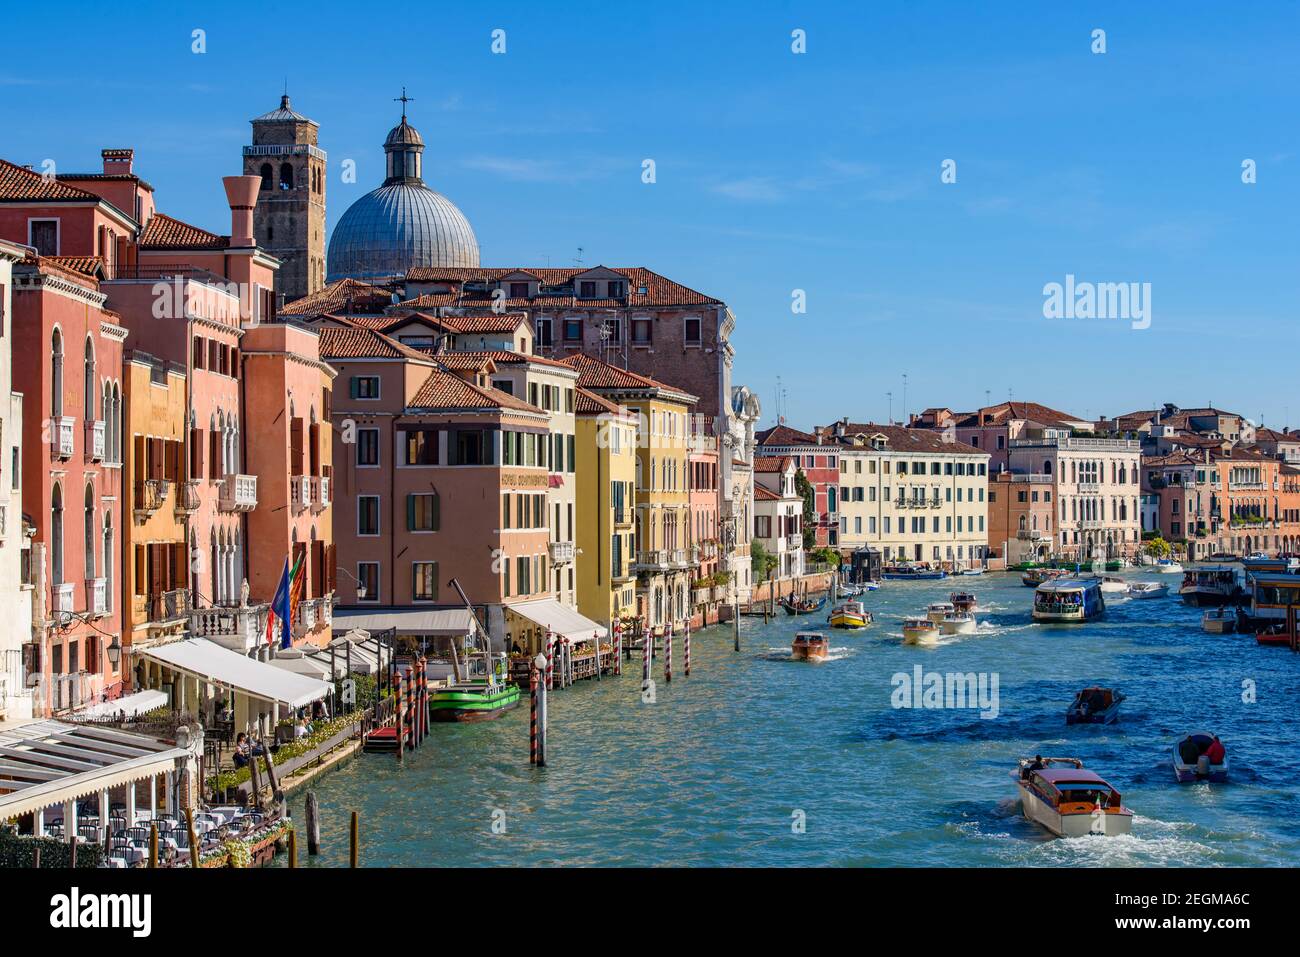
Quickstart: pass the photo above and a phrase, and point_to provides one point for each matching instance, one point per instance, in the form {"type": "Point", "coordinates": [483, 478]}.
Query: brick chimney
{"type": "Point", "coordinates": [241, 193]}
{"type": "Point", "coordinates": [118, 162]}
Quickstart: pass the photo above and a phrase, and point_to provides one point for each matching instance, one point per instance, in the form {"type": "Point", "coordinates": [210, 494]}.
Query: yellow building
{"type": "Point", "coordinates": [159, 498]}
{"type": "Point", "coordinates": [663, 561]}
{"type": "Point", "coordinates": [606, 500]}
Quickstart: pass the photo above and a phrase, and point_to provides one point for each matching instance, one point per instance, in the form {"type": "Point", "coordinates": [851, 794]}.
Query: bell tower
{"type": "Point", "coordinates": [289, 220]}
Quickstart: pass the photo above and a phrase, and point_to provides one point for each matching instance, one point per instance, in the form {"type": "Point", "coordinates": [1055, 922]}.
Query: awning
{"type": "Point", "coordinates": [208, 661]}
{"type": "Point", "coordinates": [407, 621]}
{"type": "Point", "coordinates": [563, 621]}
{"type": "Point", "coordinates": [295, 661]}
{"type": "Point", "coordinates": [132, 705]}
{"type": "Point", "coordinates": [47, 763]}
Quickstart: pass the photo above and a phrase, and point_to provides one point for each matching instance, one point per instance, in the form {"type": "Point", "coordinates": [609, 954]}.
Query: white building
{"type": "Point", "coordinates": [778, 514]}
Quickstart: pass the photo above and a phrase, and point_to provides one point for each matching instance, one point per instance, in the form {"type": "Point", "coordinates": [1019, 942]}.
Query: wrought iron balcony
{"type": "Point", "coordinates": [169, 605]}
{"type": "Point", "coordinates": [149, 496]}
{"type": "Point", "coordinates": [187, 497]}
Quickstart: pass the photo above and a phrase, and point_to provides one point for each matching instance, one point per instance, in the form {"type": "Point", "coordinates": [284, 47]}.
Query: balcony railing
{"type": "Point", "coordinates": [311, 613]}
{"type": "Point", "coordinates": [95, 440]}
{"type": "Point", "coordinates": [61, 442]}
{"type": "Point", "coordinates": [679, 556]}
{"type": "Point", "coordinates": [654, 559]}
{"type": "Point", "coordinates": [61, 599]}
{"type": "Point", "coordinates": [170, 605]}
{"type": "Point", "coordinates": [561, 553]}
{"type": "Point", "coordinates": [4, 521]}
{"type": "Point", "coordinates": [238, 629]}
{"type": "Point", "coordinates": [238, 493]}
{"type": "Point", "coordinates": [1089, 488]}
{"type": "Point", "coordinates": [299, 492]}
{"type": "Point", "coordinates": [149, 496]}
{"type": "Point", "coordinates": [793, 542]}
{"type": "Point", "coordinates": [1029, 534]}
{"type": "Point", "coordinates": [97, 597]}
{"type": "Point", "coordinates": [320, 493]}
{"type": "Point", "coordinates": [187, 497]}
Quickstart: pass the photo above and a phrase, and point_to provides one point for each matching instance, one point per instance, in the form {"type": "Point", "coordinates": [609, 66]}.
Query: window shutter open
{"type": "Point", "coordinates": [295, 446]}
{"type": "Point", "coordinates": [410, 513]}
{"type": "Point", "coordinates": [214, 454]}
{"type": "Point", "coordinates": [437, 511]}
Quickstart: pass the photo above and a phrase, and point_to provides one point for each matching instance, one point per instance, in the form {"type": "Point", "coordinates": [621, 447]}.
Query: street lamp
{"type": "Point", "coordinates": [114, 652]}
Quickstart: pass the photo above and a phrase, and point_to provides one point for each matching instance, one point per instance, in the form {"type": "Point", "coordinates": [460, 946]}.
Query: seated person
{"type": "Point", "coordinates": [1216, 752]}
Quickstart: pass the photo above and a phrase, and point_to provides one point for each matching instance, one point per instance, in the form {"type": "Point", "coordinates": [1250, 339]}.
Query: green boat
{"type": "Point", "coordinates": [472, 701]}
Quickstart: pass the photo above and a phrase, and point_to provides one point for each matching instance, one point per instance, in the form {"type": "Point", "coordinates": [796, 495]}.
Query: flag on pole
{"type": "Point", "coordinates": [283, 603]}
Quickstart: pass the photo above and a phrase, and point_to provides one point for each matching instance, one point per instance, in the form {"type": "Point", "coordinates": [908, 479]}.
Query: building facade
{"type": "Point", "coordinates": [778, 515]}
{"type": "Point", "coordinates": [820, 465]}
{"type": "Point", "coordinates": [15, 548]}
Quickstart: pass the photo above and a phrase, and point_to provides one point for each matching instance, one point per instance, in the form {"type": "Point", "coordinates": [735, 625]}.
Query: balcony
{"type": "Point", "coordinates": [149, 496]}
{"type": "Point", "coordinates": [299, 492]}
{"type": "Point", "coordinates": [310, 614]}
{"type": "Point", "coordinates": [237, 629]}
{"type": "Point", "coordinates": [61, 600]}
{"type": "Point", "coordinates": [562, 553]}
{"type": "Point", "coordinates": [4, 521]}
{"type": "Point", "coordinates": [169, 605]}
{"type": "Point", "coordinates": [653, 560]}
{"type": "Point", "coordinates": [96, 597]}
{"type": "Point", "coordinates": [679, 558]}
{"type": "Point", "coordinates": [187, 497]}
{"type": "Point", "coordinates": [935, 503]}
{"type": "Point", "coordinates": [61, 440]}
{"type": "Point", "coordinates": [793, 543]}
{"type": "Point", "coordinates": [1089, 488]}
{"type": "Point", "coordinates": [320, 493]}
{"type": "Point", "coordinates": [1030, 535]}
{"type": "Point", "coordinates": [238, 493]}
{"type": "Point", "coordinates": [95, 440]}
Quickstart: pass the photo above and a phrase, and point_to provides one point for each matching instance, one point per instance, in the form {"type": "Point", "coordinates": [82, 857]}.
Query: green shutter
{"type": "Point", "coordinates": [437, 511]}
{"type": "Point", "coordinates": [352, 385]}
{"type": "Point", "coordinates": [410, 513]}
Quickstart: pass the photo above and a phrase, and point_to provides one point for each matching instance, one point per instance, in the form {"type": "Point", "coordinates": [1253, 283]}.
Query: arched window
{"type": "Point", "coordinates": [56, 378]}
{"type": "Point", "coordinates": [267, 175]}
{"type": "Point", "coordinates": [88, 383]}
{"type": "Point", "coordinates": [286, 176]}
{"type": "Point", "coordinates": [108, 561]}
{"type": "Point", "coordinates": [56, 536]}
{"type": "Point", "coordinates": [1047, 466]}
{"type": "Point", "coordinates": [90, 532]}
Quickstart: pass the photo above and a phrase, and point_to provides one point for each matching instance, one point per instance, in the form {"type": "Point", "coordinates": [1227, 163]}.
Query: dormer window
{"type": "Point", "coordinates": [519, 290]}
{"type": "Point", "coordinates": [616, 289]}
{"type": "Point", "coordinates": [587, 289]}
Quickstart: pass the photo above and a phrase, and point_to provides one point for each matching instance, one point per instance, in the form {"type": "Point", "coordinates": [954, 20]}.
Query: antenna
{"type": "Point", "coordinates": [890, 397]}
{"type": "Point", "coordinates": [577, 260]}
{"type": "Point", "coordinates": [904, 398]}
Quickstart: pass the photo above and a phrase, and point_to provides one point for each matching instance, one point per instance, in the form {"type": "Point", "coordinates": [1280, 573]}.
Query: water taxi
{"type": "Point", "coordinates": [1069, 800]}
{"type": "Point", "coordinates": [1212, 585]}
{"type": "Point", "coordinates": [1113, 585]}
{"type": "Point", "coordinates": [1147, 590]}
{"type": "Point", "coordinates": [1191, 763]}
{"type": "Point", "coordinates": [962, 601]}
{"type": "Point", "coordinates": [850, 614]}
{"type": "Point", "coordinates": [1219, 621]}
{"type": "Point", "coordinates": [912, 573]}
{"type": "Point", "coordinates": [958, 623]}
{"type": "Point", "coordinates": [810, 646]}
{"type": "Point", "coordinates": [938, 610]}
{"type": "Point", "coordinates": [1167, 566]}
{"type": "Point", "coordinates": [1068, 600]}
{"type": "Point", "coordinates": [1094, 705]}
{"type": "Point", "coordinates": [1033, 577]}
{"type": "Point", "coordinates": [918, 631]}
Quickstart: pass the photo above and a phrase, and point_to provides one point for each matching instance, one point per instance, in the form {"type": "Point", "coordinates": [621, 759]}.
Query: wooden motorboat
{"type": "Point", "coordinates": [1113, 584]}
{"type": "Point", "coordinates": [1033, 577]}
{"type": "Point", "coordinates": [1148, 590]}
{"type": "Point", "coordinates": [962, 601]}
{"type": "Point", "coordinates": [958, 623]}
{"type": "Point", "coordinates": [1219, 621]}
{"type": "Point", "coordinates": [1191, 763]}
{"type": "Point", "coordinates": [1069, 800]}
{"type": "Point", "coordinates": [810, 646]}
{"type": "Point", "coordinates": [1095, 705]}
{"type": "Point", "coordinates": [1068, 600]}
{"type": "Point", "coordinates": [918, 631]}
{"type": "Point", "coordinates": [938, 610]}
{"type": "Point", "coordinates": [1167, 566]}
{"type": "Point", "coordinates": [972, 571]}
{"type": "Point", "coordinates": [802, 606]}
{"type": "Point", "coordinates": [850, 614]}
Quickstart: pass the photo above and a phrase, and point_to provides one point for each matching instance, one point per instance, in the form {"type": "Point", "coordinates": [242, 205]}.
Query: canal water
{"type": "Point", "coordinates": [758, 760]}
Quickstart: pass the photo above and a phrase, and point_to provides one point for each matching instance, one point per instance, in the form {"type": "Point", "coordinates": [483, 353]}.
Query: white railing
{"type": "Point", "coordinates": [1089, 488]}
{"type": "Point", "coordinates": [793, 542]}
{"type": "Point", "coordinates": [299, 491]}
{"type": "Point", "coordinates": [238, 493]}
{"type": "Point", "coordinates": [321, 495]}
{"type": "Point", "coordinates": [95, 440]}
{"type": "Point", "coordinates": [562, 552]}
{"type": "Point", "coordinates": [238, 629]}
{"type": "Point", "coordinates": [654, 558]}
{"type": "Point", "coordinates": [61, 598]}
{"type": "Point", "coordinates": [97, 597]}
{"type": "Point", "coordinates": [62, 440]}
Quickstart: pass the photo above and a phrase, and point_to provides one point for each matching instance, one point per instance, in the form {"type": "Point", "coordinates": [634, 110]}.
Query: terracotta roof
{"type": "Point", "coordinates": [902, 439]}
{"type": "Point", "coordinates": [1007, 411]}
{"type": "Point", "coordinates": [17, 183]}
{"type": "Point", "coordinates": [1273, 435]}
{"type": "Point", "coordinates": [443, 390]}
{"type": "Point", "coordinates": [505, 357]}
{"type": "Point", "coordinates": [342, 295]}
{"type": "Point", "coordinates": [659, 290]}
{"type": "Point", "coordinates": [53, 264]}
{"type": "Point", "coordinates": [588, 403]}
{"type": "Point", "coordinates": [762, 493]}
{"type": "Point", "coordinates": [164, 232]}
{"type": "Point", "coordinates": [782, 435]}
{"type": "Point", "coordinates": [597, 374]}
{"type": "Point", "coordinates": [466, 361]}
{"type": "Point", "coordinates": [771, 463]}
{"type": "Point", "coordinates": [342, 343]}
{"type": "Point", "coordinates": [89, 265]}
{"type": "Point", "coordinates": [469, 325]}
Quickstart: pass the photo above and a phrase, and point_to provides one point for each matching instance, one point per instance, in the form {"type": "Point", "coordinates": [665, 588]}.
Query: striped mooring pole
{"type": "Point", "coordinates": [646, 641]}
{"type": "Point", "coordinates": [550, 662]}
{"type": "Point", "coordinates": [618, 646]}
{"type": "Point", "coordinates": [532, 714]}
{"type": "Point", "coordinates": [543, 719]}
{"type": "Point", "coordinates": [668, 654]}
{"type": "Point", "coordinates": [686, 647]}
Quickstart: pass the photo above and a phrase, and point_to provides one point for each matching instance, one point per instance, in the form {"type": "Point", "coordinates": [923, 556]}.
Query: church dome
{"type": "Point", "coordinates": [403, 223]}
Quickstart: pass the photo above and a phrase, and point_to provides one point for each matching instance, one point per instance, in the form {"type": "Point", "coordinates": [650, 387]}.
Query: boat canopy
{"type": "Point", "coordinates": [1060, 777]}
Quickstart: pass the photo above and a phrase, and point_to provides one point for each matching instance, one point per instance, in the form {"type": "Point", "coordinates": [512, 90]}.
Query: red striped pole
{"type": "Point", "coordinates": [532, 714]}
{"type": "Point", "coordinates": [401, 715]}
{"type": "Point", "coordinates": [686, 642]}
{"type": "Point", "coordinates": [618, 646]}
{"type": "Point", "coordinates": [668, 654]}
{"type": "Point", "coordinates": [550, 669]}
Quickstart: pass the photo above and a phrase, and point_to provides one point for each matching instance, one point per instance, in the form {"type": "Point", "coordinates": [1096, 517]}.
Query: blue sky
{"type": "Point", "coordinates": [778, 171]}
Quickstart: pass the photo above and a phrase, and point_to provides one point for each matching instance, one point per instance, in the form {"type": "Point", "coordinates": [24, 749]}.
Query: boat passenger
{"type": "Point", "coordinates": [1215, 752]}
{"type": "Point", "coordinates": [1034, 765]}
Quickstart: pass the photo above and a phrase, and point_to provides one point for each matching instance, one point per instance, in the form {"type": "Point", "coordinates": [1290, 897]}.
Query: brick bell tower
{"type": "Point", "coordinates": [289, 220]}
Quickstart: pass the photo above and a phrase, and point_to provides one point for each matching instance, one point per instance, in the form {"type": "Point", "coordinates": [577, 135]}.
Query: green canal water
{"type": "Point", "coordinates": [724, 765]}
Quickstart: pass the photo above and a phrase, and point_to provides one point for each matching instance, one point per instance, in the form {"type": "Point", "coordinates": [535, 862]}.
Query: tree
{"type": "Point", "coordinates": [1157, 548]}
{"type": "Point", "coordinates": [809, 495]}
{"type": "Point", "coordinates": [761, 560]}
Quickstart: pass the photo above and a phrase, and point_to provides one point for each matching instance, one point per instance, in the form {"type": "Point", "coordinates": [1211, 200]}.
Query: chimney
{"type": "Point", "coordinates": [241, 193]}
{"type": "Point", "coordinates": [118, 162]}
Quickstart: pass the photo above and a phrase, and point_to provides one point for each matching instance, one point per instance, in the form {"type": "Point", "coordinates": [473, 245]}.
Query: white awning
{"type": "Point", "coordinates": [293, 660]}
{"type": "Point", "coordinates": [208, 661]}
{"type": "Point", "coordinates": [563, 621]}
{"type": "Point", "coordinates": [407, 621]}
{"type": "Point", "coordinates": [131, 705]}
{"type": "Point", "coordinates": [46, 763]}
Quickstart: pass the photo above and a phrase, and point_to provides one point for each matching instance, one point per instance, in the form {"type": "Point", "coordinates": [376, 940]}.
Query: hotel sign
{"type": "Point", "coordinates": [525, 479]}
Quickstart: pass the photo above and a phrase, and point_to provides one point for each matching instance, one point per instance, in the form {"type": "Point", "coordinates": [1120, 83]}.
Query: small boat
{"type": "Point", "coordinates": [1033, 577]}
{"type": "Point", "coordinates": [912, 573]}
{"type": "Point", "coordinates": [1068, 600]}
{"type": "Point", "coordinates": [972, 571]}
{"type": "Point", "coordinates": [802, 606]}
{"type": "Point", "coordinates": [1112, 584]}
{"type": "Point", "coordinates": [1219, 621]}
{"type": "Point", "coordinates": [1167, 566]}
{"type": "Point", "coordinates": [939, 610]}
{"type": "Point", "coordinates": [1147, 590]}
{"type": "Point", "coordinates": [472, 701]}
{"type": "Point", "coordinates": [1069, 800]}
{"type": "Point", "coordinates": [1275, 635]}
{"type": "Point", "coordinates": [918, 631]}
{"type": "Point", "coordinates": [958, 623]}
{"type": "Point", "coordinates": [1191, 763]}
{"type": "Point", "coordinates": [810, 646]}
{"type": "Point", "coordinates": [1094, 705]}
{"type": "Point", "coordinates": [850, 614]}
{"type": "Point", "coordinates": [962, 601]}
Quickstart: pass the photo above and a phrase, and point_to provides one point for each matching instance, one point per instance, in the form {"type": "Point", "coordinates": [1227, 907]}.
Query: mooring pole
{"type": "Point", "coordinates": [668, 653]}
{"type": "Point", "coordinates": [313, 824]}
{"type": "Point", "coordinates": [354, 846]}
{"type": "Point", "coordinates": [686, 647]}
{"type": "Point", "coordinates": [532, 713]}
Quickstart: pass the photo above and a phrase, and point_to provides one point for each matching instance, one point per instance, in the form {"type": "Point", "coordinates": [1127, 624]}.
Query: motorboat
{"type": "Point", "coordinates": [939, 610]}
{"type": "Point", "coordinates": [1148, 590]}
{"type": "Point", "coordinates": [962, 601]}
{"type": "Point", "coordinates": [810, 646]}
{"type": "Point", "coordinates": [1069, 800]}
{"type": "Point", "coordinates": [912, 573]}
{"type": "Point", "coordinates": [919, 631]}
{"type": "Point", "coordinates": [1212, 585]}
{"type": "Point", "coordinates": [958, 623]}
{"type": "Point", "coordinates": [1068, 600]}
{"type": "Point", "coordinates": [1033, 577]}
{"type": "Point", "coordinates": [1113, 585]}
{"type": "Point", "coordinates": [1191, 763]}
{"type": "Point", "coordinates": [1167, 566]}
{"type": "Point", "coordinates": [972, 571]}
{"type": "Point", "coordinates": [850, 614]}
{"type": "Point", "coordinates": [1219, 621]}
{"type": "Point", "coordinates": [1095, 705]}
{"type": "Point", "coordinates": [802, 606]}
